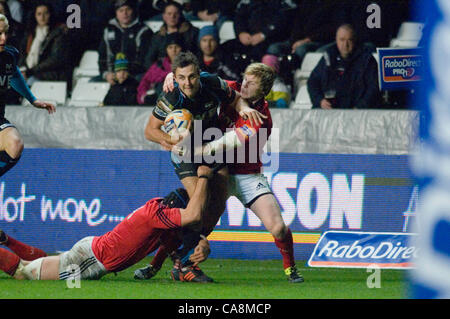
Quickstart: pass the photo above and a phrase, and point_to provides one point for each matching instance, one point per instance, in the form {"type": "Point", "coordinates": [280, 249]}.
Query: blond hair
{"type": "Point", "coordinates": [4, 19]}
{"type": "Point", "coordinates": [264, 73]}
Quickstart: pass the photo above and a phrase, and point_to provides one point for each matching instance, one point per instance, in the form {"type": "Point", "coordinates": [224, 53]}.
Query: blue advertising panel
{"type": "Point", "coordinates": [54, 197]}
{"type": "Point", "coordinates": [399, 68]}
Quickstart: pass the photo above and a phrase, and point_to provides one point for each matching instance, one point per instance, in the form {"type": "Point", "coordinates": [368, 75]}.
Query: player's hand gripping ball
{"type": "Point", "coordinates": [178, 122]}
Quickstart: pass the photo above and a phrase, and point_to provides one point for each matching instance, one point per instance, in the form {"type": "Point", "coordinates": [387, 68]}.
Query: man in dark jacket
{"type": "Point", "coordinates": [346, 77]}
{"type": "Point", "coordinates": [124, 33]}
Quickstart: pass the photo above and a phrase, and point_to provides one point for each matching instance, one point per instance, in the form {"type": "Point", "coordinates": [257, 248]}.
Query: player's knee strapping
{"type": "Point", "coordinates": [7, 162]}
{"type": "Point", "coordinates": [32, 271]}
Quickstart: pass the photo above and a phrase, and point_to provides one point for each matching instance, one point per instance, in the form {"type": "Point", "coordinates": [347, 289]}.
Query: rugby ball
{"type": "Point", "coordinates": [177, 121]}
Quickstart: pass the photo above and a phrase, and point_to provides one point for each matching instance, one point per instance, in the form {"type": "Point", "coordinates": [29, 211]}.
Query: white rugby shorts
{"type": "Point", "coordinates": [80, 262]}
{"type": "Point", "coordinates": [248, 187]}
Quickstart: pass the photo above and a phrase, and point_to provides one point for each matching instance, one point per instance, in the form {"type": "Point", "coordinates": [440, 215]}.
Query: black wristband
{"type": "Point", "coordinates": [203, 176]}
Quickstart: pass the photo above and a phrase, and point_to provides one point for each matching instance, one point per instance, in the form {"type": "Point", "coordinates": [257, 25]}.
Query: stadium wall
{"type": "Point", "coordinates": [84, 169]}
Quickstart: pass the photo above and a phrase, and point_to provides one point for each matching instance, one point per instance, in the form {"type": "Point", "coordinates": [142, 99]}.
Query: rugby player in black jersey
{"type": "Point", "coordinates": [11, 143]}
{"type": "Point", "coordinates": [201, 93]}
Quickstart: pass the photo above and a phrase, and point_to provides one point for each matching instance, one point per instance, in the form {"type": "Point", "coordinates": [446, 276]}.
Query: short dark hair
{"type": "Point", "coordinates": [173, 3]}
{"type": "Point", "coordinates": [32, 23]}
{"type": "Point", "coordinates": [183, 59]}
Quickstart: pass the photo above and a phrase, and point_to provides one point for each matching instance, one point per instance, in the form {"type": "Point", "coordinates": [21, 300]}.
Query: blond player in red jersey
{"type": "Point", "coordinates": [140, 233]}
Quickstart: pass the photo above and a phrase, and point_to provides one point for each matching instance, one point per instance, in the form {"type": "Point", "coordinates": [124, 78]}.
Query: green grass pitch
{"type": "Point", "coordinates": [234, 279]}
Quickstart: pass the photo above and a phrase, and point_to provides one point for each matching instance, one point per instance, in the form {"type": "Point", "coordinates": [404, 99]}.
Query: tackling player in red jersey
{"type": "Point", "coordinates": [140, 233]}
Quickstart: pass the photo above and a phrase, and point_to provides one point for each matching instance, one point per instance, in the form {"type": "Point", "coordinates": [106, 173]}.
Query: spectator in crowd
{"type": "Point", "coordinates": [215, 11]}
{"type": "Point", "coordinates": [16, 29]}
{"type": "Point", "coordinates": [151, 84]}
{"type": "Point", "coordinates": [315, 23]}
{"type": "Point", "coordinates": [257, 24]}
{"type": "Point", "coordinates": [279, 95]}
{"type": "Point", "coordinates": [126, 34]}
{"type": "Point", "coordinates": [44, 47]}
{"type": "Point", "coordinates": [124, 90]}
{"type": "Point", "coordinates": [346, 77]}
{"type": "Point", "coordinates": [174, 21]}
{"type": "Point", "coordinates": [211, 57]}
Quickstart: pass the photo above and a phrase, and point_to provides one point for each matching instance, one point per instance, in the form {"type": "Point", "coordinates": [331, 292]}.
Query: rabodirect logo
{"type": "Point", "coordinates": [359, 250]}
{"type": "Point", "coordinates": [401, 67]}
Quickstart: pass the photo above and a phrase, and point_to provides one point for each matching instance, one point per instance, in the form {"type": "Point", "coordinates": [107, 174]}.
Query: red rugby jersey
{"type": "Point", "coordinates": [136, 236]}
{"type": "Point", "coordinates": [229, 118]}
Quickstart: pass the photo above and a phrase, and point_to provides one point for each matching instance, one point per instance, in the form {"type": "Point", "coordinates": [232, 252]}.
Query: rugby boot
{"type": "Point", "coordinates": [293, 275]}
{"type": "Point", "coordinates": [145, 273]}
{"type": "Point", "coordinates": [189, 273]}
{"type": "Point", "coordinates": [194, 274]}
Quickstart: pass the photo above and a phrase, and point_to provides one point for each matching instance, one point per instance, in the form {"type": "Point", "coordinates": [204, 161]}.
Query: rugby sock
{"type": "Point", "coordinates": [286, 247]}
{"type": "Point", "coordinates": [24, 251]}
{"type": "Point", "coordinates": [169, 243]}
{"type": "Point", "coordinates": [8, 261]}
{"type": "Point", "coordinates": [160, 257]}
{"type": "Point", "coordinates": [162, 253]}
{"type": "Point", "coordinates": [6, 162]}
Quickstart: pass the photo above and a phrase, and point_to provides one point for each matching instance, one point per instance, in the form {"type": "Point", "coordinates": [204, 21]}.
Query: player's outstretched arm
{"type": "Point", "coordinates": [19, 84]}
{"type": "Point", "coordinates": [44, 105]}
{"type": "Point", "coordinates": [198, 202]}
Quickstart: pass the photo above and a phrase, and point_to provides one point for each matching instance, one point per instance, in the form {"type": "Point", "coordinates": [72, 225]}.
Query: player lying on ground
{"type": "Point", "coordinates": [201, 94]}
{"type": "Point", "coordinates": [140, 233]}
{"type": "Point", "coordinates": [246, 181]}
{"type": "Point", "coordinates": [11, 143]}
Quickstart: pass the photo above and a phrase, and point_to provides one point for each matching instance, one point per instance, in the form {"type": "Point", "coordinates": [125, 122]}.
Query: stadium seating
{"type": "Point", "coordinates": [88, 66]}
{"type": "Point", "coordinates": [308, 64]}
{"type": "Point", "coordinates": [226, 31]}
{"type": "Point", "coordinates": [376, 57]}
{"type": "Point", "coordinates": [155, 25]}
{"type": "Point", "coordinates": [50, 91]}
{"type": "Point", "coordinates": [89, 94]}
{"type": "Point", "coordinates": [302, 99]}
{"type": "Point", "coordinates": [409, 35]}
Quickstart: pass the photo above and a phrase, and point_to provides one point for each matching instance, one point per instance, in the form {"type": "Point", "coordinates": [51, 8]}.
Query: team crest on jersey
{"type": "Point", "coordinates": [164, 105]}
{"type": "Point", "coordinates": [9, 67]}
{"type": "Point", "coordinates": [247, 131]}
